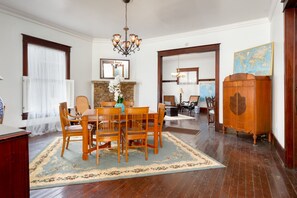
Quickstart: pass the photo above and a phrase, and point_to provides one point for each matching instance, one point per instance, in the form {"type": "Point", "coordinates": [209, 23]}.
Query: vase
{"type": "Point", "coordinates": [121, 105]}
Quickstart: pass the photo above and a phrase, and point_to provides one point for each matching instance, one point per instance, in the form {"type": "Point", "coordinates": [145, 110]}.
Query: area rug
{"type": "Point", "coordinates": [182, 130]}
{"type": "Point", "coordinates": [48, 169]}
{"type": "Point", "coordinates": [179, 117]}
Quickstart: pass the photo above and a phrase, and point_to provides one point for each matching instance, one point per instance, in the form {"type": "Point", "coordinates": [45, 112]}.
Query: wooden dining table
{"type": "Point", "coordinates": [89, 116]}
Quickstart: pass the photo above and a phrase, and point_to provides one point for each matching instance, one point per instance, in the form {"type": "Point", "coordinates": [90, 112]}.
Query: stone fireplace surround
{"type": "Point", "coordinates": [101, 92]}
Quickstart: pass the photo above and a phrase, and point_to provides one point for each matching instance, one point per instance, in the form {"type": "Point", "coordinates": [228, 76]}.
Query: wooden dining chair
{"type": "Point", "coordinates": [107, 104]}
{"type": "Point", "coordinates": [161, 114]}
{"type": "Point", "coordinates": [69, 130]}
{"type": "Point", "coordinates": [81, 104]}
{"type": "Point", "coordinates": [108, 128]}
{"type": "Point", "coordinates": [128, 104]}
{"type": "Point", "coordinates": [73, 119]}
{"type": "Point", "coordinates": [210, 103]}
{"type": "Point", "coordinates": [135, 130]}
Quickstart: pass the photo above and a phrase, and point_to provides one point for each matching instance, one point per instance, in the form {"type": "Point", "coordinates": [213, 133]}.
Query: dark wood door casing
{"type": "Point", "coordinates": [188, 50]}
{"type": "Point", "coordinates": [290, 56]}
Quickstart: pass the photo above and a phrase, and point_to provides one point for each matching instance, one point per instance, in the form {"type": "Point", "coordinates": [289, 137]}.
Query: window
{"type": "Point", "coordinates": [46, 67]}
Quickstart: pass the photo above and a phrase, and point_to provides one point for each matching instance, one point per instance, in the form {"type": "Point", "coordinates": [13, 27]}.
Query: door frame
{"type": "Point", "coordinates": [188, 50]}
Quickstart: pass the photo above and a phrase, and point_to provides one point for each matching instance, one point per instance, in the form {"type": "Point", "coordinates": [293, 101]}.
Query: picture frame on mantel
{"type": "Point", "coordinates": [109, 68]}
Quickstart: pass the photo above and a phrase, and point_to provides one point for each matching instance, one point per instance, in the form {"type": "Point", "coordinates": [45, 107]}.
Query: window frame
{"type": "Point", "coordinates": [45, 43]}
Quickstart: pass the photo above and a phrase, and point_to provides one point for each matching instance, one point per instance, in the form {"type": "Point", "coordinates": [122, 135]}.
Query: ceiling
{"type": "Point", "coordinates": [147, 18]}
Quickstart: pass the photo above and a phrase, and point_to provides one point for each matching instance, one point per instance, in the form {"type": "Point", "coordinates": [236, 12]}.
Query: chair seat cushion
{"type": "Point", "coordinates": [77, 127]}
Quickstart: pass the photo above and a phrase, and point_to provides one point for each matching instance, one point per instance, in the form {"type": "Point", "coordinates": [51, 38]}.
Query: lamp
{"type": "Point", "coordinates": [126, 47]}
{"type": "Point", "coordinates": [181, 91]}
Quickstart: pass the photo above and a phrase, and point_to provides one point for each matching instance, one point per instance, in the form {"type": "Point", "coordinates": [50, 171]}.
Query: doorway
{"type": "Point", "coordinates": [197, 49]}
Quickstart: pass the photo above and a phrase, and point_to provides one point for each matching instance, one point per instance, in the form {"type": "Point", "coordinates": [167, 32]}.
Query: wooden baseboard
{"type": "Point", "coordinates": [203, 110]}
{"type": "Point", "coordinates": [279, 149]}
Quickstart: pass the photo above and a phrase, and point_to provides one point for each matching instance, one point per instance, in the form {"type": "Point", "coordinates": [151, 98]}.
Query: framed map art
{"type": "Point", "coordinates": [257, 60]}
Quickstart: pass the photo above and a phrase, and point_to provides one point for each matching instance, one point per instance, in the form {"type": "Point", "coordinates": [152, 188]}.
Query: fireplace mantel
{"type": "Point", "coordinates": [101, 92]}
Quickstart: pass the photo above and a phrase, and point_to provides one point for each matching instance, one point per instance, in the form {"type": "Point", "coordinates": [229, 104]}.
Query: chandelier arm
{"type": "Point", "coordinates": [119, 48]}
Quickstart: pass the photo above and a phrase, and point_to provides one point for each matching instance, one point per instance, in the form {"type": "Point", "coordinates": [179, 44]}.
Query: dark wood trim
{"type": "Point", "coordinates": [289, 87]}
{"type": "Point", "coordinates": [50, 44]}
{"type": "Point", "coordinates": [168, 81]}
{"type": "Point", "coordinates": [45, 43]}
{"type": "Point", "coordinates": [279, 149]}
{"type": "Point", "coordinates": [196, 49]}
{"type": "Point", "coordinates": [189, 69]}
{"type": "Point", "coordinates": [289, 4]}
{"type": "Point", "coordinates": [25, 116]}
{"type": "Point", "coordinates": [203, 110]}
{"type": "Point", "coordinates": [207, 79]}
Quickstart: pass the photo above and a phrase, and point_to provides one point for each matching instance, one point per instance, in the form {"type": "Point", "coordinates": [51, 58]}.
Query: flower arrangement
{"type": "Point", "coordinates": [115, 88]}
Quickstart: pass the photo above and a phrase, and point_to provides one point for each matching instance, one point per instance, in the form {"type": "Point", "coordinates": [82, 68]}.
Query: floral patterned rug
{"type": "Point", "coordinates": [48, 169]}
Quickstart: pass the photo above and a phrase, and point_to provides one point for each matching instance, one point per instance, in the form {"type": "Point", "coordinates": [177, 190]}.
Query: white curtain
{"type": "Point", "coordinates": [47, 88]}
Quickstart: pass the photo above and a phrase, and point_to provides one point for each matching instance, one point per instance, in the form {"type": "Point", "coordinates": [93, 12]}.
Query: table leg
{"type": "Point", "coordinates": [156, 134]}
{"type": "Point", "coordinates": [85, 138]}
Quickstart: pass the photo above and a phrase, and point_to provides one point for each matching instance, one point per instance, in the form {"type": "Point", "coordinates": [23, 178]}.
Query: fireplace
{"type": "Point", "coordinates": [101, 92]}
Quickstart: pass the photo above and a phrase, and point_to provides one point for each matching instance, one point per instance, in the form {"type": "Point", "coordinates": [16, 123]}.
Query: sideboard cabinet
{"type": "Point", "coordinates": [247, 104]}
{"type": "Point", "coordinates": [14, 166]}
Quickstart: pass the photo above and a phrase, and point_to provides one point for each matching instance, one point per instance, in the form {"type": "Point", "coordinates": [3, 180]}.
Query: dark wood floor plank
{"type": "Point", "coordinates": [251, 171]}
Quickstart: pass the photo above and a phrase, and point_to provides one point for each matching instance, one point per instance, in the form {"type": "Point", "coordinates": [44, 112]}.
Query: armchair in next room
{"type": "Point", "coordinates": [190, 104]}
{"type": "Point", "coordinates": [169, 100]}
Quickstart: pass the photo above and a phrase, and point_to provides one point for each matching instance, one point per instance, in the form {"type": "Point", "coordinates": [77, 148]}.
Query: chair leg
{"type": "Point", "coordinates": [63, 147]}
{"type": "Point", "coordinates": [126, 150]}
{"type": "Point", "coordinates": [146, 152]}
{"type": "Point", "coordinates": [160, 138]}
{"type": "Point", "coordinates": [119, 151]}
{"type": "Point", "coordinates": [68, 139]}
{"type": "Point", "coordinates": [97, 152]}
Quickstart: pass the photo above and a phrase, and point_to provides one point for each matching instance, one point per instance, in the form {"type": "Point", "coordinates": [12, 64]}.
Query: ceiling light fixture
{"type": "Point", "coordinates": [126, 47]}
{"type": "Point", "coordinates": [178, 73]}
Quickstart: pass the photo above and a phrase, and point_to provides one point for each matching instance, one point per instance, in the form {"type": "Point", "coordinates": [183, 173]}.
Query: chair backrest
{"type": "Point", "coordinates": [128, 103]}
{"type": "Point", "coordinates": [108, 121]}
{"type": "Point", "coordinates": [210, 102]}
{"type": "Point", "coordinates": [107, 104]}
{"type": "Point", "coordinates": [161, 114]}
{"type": "Point", "coordinates": [82, 104]}
{"type": "Point", "coordinates": [194, 98]}
{"type": "Point", "coordinates": [136, 119]}
{"type": "Point", "coordinates": [63, 115]}
{"type": "Point", "coordinates": [169, 100]}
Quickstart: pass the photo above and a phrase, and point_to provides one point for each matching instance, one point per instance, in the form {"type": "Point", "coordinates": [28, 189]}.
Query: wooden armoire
{"type": "Point", "coordinates": [247, 104]}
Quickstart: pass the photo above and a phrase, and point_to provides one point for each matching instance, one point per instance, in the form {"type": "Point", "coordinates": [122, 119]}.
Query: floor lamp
{"type": "Point", "coordinates": [181, 91]}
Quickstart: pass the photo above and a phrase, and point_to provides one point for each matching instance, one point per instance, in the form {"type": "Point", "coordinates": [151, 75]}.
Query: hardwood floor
{"type": "Point", "coordinates": [251, 171]}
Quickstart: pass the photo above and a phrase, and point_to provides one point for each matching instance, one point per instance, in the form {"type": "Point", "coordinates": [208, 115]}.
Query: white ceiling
{"type": "Point", "coordinates": [147, 18]}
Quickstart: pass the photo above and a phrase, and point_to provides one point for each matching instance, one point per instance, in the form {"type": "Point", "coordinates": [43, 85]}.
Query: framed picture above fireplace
{"type": "Point", "coordinates": [109, 68]}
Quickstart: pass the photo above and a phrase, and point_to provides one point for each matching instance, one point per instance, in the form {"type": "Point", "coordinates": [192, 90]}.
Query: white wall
{"type": "Point", "coordinates": [11, 63]}
{"type": "Point", "coordinates": [277, 36]}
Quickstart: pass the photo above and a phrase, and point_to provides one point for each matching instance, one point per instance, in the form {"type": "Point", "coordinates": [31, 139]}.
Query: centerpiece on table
{"type": "Point", "coordinates": [115, 88]}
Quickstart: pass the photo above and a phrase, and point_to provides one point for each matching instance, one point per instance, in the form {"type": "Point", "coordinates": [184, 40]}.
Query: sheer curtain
{"type": "Point", "coordinates": [47, 88]}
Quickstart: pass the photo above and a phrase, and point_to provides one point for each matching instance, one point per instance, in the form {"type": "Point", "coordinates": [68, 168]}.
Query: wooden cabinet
{"type": "Point", "coordinates": [14, 165]}
{"type": "Point", "coordinates": [247, 104]}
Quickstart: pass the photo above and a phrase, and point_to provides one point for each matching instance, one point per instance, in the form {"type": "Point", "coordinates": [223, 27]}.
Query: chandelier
{"type": "Point", "coordinates": [126, 47]}
{"type": "Point", "coordinates": [178, 74]}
